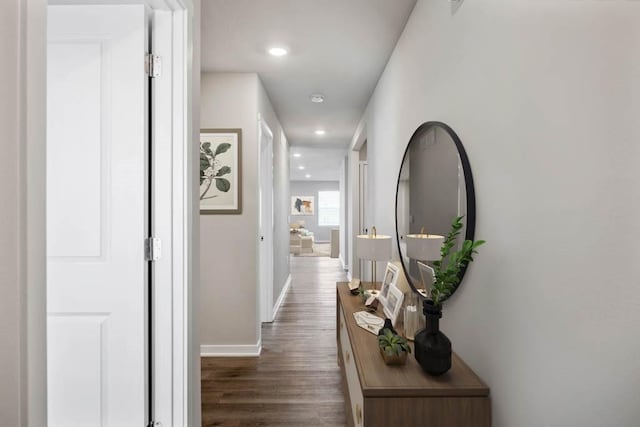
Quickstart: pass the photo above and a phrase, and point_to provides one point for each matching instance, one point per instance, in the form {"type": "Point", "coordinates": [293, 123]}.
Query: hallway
{"type": "Point", "coordinates": [296, 380]}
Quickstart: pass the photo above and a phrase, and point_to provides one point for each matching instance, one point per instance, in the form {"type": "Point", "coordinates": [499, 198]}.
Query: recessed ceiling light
{"type": "Point", "coordinates": [307, 176]}
{"type": "Point", "coordinates": [320, 132]}
{"type": "Point", "coordinates": [297, 155]}
{"type": "Point", "coordinates": [301, 168]}
{"type": "Point", "coordinates": [278, 51]}
{"type": "Point", "coordinates": [317, 98]}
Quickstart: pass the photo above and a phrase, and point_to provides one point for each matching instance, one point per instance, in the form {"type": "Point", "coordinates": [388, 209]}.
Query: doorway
{"type": "Point", "coordinates": [117, 198]}
{"type": "Point", "coordinates": [363, 214]}
{"type": "Point", "coordinates": [265, 276]}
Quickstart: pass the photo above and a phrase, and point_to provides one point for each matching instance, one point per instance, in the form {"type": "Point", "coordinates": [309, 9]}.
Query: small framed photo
{"type": "Point", "coordinates": [302, 205]}
{"type": "Point", "coordinates": [394, 303]}
{"type": "Point", "coordinates": [390, 278]}
{"type": "Point", "coordinates": [428, 276]}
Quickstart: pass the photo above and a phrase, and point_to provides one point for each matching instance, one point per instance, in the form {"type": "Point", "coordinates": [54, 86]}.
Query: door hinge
{"type": "Point", "coordinates": [153, 65]}
{"type": "Point", "coordinates": [152, 249]}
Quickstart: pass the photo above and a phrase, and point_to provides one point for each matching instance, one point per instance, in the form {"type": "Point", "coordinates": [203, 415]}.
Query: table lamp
{"type": "Point", "coordinates": [373, 247]}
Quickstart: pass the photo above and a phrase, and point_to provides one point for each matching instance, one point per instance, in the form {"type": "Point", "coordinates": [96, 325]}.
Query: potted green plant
{"type": "Point", "coordinates": [447, 269]}
{"type": "Point", "coordinates": [393, 348]}
{"type": "Point", "coordinates": [433, 348]}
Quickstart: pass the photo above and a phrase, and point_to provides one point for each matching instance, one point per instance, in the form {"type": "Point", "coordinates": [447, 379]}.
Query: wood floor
{"type": "Point", "coordinates": [296, 380]}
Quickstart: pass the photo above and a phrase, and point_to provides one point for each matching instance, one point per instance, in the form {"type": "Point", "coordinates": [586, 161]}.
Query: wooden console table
{"type": "Point", "coordinates": [381, 395]}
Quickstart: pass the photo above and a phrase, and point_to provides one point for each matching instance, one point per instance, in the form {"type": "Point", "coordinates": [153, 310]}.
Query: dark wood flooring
{"type": "Point", "coordinates": [296, 380]}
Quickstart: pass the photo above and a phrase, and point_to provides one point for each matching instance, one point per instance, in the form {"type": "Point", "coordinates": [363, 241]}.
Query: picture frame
{"type": "Point", "coordinates": [394, 303]}
{"type": "Point", "coordinates": [302, 205]}
{"type": "Point", "coordinates": [427, 276]}
{"type": "Point", "coordinates": [389, 279]}
{"type": "Point", "coordinates": [221, 171]}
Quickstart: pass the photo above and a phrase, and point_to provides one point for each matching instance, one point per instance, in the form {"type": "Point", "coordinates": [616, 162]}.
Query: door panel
{"type": "Point", "coordinates": [97, 203]}
{"type": "Point", "coordinates": [76, 70]}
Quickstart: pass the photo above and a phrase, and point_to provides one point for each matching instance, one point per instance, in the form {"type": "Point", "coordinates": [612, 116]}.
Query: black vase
{"type": "Point", "coordinates": [432, 347]}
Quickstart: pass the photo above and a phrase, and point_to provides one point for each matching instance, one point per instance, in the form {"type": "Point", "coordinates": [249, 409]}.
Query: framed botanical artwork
{"type": "Point", "coordinates": [302, 205]}
{"type": "Point", "coordinates": [394, 303]}
{"type": "Point", "coordinates": [390, 278]}
{"type": "Point", "coordinates": [221, 171]}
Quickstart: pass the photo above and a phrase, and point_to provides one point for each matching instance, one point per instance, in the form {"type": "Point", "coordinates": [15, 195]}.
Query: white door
{"type": "Point", "coordinates": [266, 221]}
{"type": "Point", "coordinates": [97, 209]}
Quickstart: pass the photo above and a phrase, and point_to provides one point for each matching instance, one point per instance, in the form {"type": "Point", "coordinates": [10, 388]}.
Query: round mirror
{"type": "Point", "coordinates": [434, 187]}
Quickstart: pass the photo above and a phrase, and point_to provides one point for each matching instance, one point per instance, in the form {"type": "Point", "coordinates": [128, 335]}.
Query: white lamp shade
{"type": "Point", "coordinates": [374, 248]}
{"type": "Point", "coordinates": [424, 247]}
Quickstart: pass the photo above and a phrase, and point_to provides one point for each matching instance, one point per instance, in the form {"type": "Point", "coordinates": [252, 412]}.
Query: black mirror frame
{"type": "Point", "coordinates": [470, 217]}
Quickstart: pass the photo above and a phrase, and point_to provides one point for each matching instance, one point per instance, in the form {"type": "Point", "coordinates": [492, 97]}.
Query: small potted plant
{"type": "Point", "coordinates": [393, 348]}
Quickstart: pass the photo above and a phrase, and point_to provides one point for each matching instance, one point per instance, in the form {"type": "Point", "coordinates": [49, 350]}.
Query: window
{"type": "Point", "coordinates": [328, 208]}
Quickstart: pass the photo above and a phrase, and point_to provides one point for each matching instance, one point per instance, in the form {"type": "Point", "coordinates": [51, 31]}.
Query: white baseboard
{"type": "Point", "coordinates": [285, 288]}
{"type": "Point", "coordinates": [231, 350]}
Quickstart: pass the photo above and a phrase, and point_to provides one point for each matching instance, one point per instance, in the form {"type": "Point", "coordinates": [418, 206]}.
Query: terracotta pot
{"type": "Point", "coordinates": [395, 359]}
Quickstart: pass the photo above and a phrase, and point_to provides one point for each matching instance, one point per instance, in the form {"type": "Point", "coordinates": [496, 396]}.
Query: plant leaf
{"type": "Point", "coordinates": [447, 268]}
{"type": "Point", "coordinates": [223, 184]}
{"type": "Point", "coordinates": [206, 148]}
{"type": "Point", "coordinates": [224, 170]}
{"type": "Point", "coordinates": [204, 162]}
{"type": "Point", "coordinates": [223, 148]}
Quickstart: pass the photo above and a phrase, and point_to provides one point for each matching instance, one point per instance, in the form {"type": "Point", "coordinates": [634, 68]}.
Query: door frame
{"type": "Point", "coordinates": [170, 166]}
{"type": "Point", "coordinates": [265, 278]}
{"type": "Point", "coordinates": [353, 199]}
{"type": "Point", "coordinates": [180, 397]}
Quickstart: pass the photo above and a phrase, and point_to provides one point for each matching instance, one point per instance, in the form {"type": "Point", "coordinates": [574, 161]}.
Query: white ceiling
{"type": "Point", "coordinates": [323, 164]}
{"type": "Point", "coordinates": [337, 47]}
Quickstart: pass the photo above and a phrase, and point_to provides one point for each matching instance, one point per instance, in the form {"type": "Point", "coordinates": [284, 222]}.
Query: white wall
{"type": "Point", "coordinates": [544, 96]}
{"type": "Point", "coordinates": [228, 243]}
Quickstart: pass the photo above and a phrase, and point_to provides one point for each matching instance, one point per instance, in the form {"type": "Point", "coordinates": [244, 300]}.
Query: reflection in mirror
{"type": "Point", "coordinates": [432, 191]}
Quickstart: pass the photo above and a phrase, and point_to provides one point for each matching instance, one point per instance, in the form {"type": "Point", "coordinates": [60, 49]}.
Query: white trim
{"type": "Point", "coordinates": [243, 350]}
{"type": "Point", "coordinates": [283, 293]}
{"type": "Point", "coordinates": [182, 212]}
{"type": "Point", "coordinates": [172, 210]}
{"type": "Point", "coordinates": [162, 112]}
{"type": "Point", "coordinates": [188, 345]}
